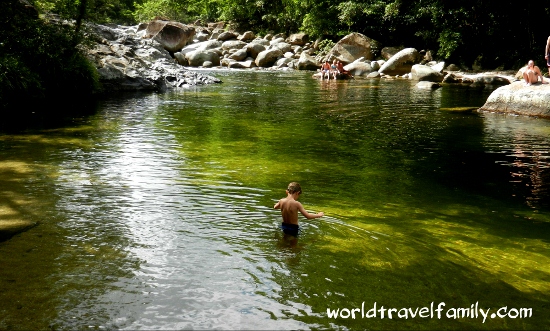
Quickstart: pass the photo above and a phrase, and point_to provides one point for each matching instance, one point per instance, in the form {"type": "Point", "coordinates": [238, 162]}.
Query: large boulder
{"type": "Point", "coordinates": [284, 47]}
{"type": "Point", "coordinates": [307, 62]}
{"type": "Point", "coordinates": [359, 68]}
{"type": "Point", "coordinates": [268, 57]}
{"type": "Point", "coordinates": [247, 36]}
{"type": "Point", "coordinates": [261, 41]}
{"type": "Point", "coordinates": [247, 64]}
{"type": "Point", "coordinates": [492, 80]}
{"type": "Point", "coordinates": [173, 36]}
{"type": "Point", "coordinates": [517, 98]}
{"type": "Point", "coordinates": [401, 63]}
{"type": "Point", "coordinates": [238, 55]}
{"type": "Point", "coordinates": [233, 44]}
{"type": "Point", "coordinates": [352, 47]}
{"type": "Point", "coordinates": [299, 39]}
{"type": "Point", "coordinates": [283, 62]}
{"type": "Point", "coordinates": [227, 35]}
{"type": "Point", "coordinates": [388, 52]}
{"type": "Point", "coordinates": [422, 72]}
{"type": "Point", "coordinates": [438, 67]}
{"type": "Point", "coordinates": [198, 57]}
{"type": "Point", "coordinates": [253, 49]}
{"type": "Point", "coordinates": [209, 44]}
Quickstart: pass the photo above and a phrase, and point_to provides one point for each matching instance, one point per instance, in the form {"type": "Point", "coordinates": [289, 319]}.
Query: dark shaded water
{"type": "Point", "coordinates": [156, 211]}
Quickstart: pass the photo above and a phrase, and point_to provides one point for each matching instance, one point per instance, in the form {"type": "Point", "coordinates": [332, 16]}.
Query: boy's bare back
{"type": "Point", "coordinates": [290, 206]}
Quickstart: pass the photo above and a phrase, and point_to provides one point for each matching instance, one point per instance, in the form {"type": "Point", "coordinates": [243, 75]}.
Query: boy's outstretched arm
{"type": "Point", "coordinates": [277, 205]}
{"type": "Point", "coordinates": [309, 215]}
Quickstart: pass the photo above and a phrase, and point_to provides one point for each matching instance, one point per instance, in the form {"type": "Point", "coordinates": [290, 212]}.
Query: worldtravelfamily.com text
{"type": "Point", "coordinates": [431, 311]}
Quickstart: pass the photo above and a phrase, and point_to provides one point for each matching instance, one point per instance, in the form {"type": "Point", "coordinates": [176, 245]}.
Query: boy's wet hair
{"type": "Point", "coordinates": [294, 187]}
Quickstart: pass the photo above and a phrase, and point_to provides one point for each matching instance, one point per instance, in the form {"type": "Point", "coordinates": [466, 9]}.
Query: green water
{"type": "Point", "coordinates": [156, 211]}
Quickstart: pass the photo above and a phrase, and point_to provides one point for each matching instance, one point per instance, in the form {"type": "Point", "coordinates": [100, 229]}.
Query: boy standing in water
{"type": "Point", "coordinates": [289, 207]}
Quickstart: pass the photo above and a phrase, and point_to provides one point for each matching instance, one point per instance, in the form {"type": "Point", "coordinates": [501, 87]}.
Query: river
{"type": "Point", "coordinates": [155, 211]}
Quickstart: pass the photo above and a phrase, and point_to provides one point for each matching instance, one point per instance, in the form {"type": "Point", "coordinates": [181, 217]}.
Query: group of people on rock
{"type": "Point", "coordinates": [532, 73]}
{"type": "Point", "coordinates": [334, 69]}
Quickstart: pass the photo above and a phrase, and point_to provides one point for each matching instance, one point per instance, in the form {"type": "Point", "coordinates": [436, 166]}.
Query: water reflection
{"type": "Point", "coordinates": [526, 152]}
{"type": "Point", "coordinates": [157, 211]}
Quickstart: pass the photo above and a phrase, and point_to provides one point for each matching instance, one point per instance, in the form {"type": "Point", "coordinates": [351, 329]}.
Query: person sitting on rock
{"type": "Point", "coordinates": [334, 68]}
{"type": "Point", "coordinates": [532, 73]}
{"type": "Point", "coordinates": [341, 70]}
{"type": "Point", "coordinates": [325, 70]}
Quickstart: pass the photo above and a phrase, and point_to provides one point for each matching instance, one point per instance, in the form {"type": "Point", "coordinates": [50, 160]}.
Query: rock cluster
{"type": "Point", "coordinates": [126, 61]}
{"type": "Point", "coordinates": [215, 48]}
{"type": "Point", "coordinates": [154, 56]}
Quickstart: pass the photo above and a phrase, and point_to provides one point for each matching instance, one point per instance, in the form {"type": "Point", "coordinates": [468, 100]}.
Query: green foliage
{"type": "Point", "coordinates": [326, 45]}
{"type": "Point", "coordinates": [101, 11]}
{"type": "Point", "coordinates": [169, 9]}
{"type": "Point", "coordinates": [349, 12]}
{"type": "Point", "coordinates": [40, 60]}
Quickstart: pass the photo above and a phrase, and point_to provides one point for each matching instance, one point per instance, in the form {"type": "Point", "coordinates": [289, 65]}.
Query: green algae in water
{"type": "Point", "coordinates": [171, 203]}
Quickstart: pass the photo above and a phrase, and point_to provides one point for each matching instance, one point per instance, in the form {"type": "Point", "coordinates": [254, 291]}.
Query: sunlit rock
{"type": "Point", "coordinates": [268, 57]}
{"type": "Point", "coordinates": [173, 36]}
{"type": "Point", "coordinates": [352, 47]}
{"type": "Point", "coordinates": [424, 73]}
{"type": "Point", "coordinates": [517, 98]}
{"type": "Point", "coordinates": [359, 68]}
{"type": "Point", "coordinates": [401, 63]}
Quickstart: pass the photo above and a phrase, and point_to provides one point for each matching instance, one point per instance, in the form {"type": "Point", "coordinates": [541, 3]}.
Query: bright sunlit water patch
{"type": "Point", "coordinates": [156, 212]}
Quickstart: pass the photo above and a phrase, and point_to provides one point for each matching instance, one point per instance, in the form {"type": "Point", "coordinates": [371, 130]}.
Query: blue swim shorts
{"type": "Point", "coordinates": [291, 229]}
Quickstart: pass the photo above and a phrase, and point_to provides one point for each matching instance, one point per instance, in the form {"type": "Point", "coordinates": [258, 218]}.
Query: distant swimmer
{"type": "Point", "coordinates": [289, 207]}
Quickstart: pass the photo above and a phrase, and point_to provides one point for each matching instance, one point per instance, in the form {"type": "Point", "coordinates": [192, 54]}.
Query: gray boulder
{"type": "Point", "coordinates": [247, 36]}
{"type": "Point", "coordinates": [202, 35]}
{"type": "Point", "coordinates": [198, 57]}
{"type": "Point", "coordinates": [247, 64]}
{"type": "Point", "coordinates": [181, 59]}
{"type": "Point", "coordinates": [491, 80]}
{"type": "Point", "coordinates": [268, 57]}
{"type": "Point", "coordinates": [261, 41]}
{"type": "Point", "coordinates": [253, 49]}
{"type": "Point", "coordinates": [452, 78]}
{"type": "Point", "coordinates": [227, 35]}
{"type": "Point", "coordinates": [401, 63]}
{"type": "Point", "coordinates": [173, 36]}
{"type": "Point", "coordinates": [359, 68]}
{"type": "Point", "coordinates": [424, 73]}
{"type": "Point", "coordinates": [209, 44]}
{"type": "Point", "coordinates": [352, 47]}
{"type": "Point", "coordinates": [299, 39]}
{"type": "Point", "coordinates": [283, 62]}
{"type": "Point", "coordinates": [284, 47]}
{"type": "Point", "coordinates": [239, 55]}
{"type": "Point", "coordinates": [438, 67]}
{"type": "Point", "coordinates": [307, 62]}
{"type": "Point", "coordinates": [452, 67]}
{"type": "Point", "coordinates": [276, 40]}
{"type": "Point", "coordinates": [233, 44]}
{"type": "Point", "coordinates": [374, 74]}
{"type": "Point", "coordinates": [388, 52]}
{"type": "Point", "coordinates": [517, 98]}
